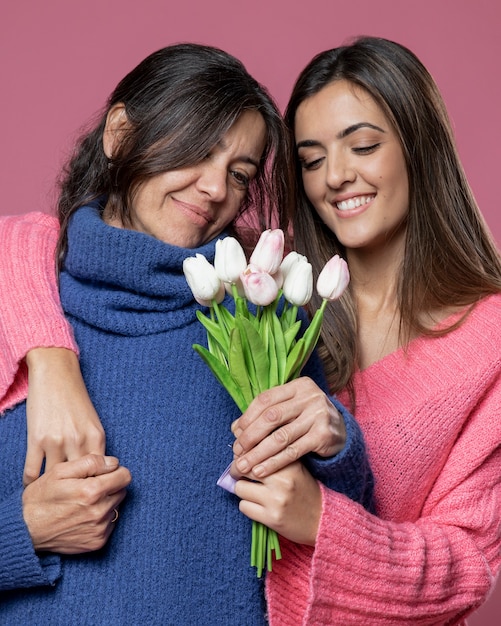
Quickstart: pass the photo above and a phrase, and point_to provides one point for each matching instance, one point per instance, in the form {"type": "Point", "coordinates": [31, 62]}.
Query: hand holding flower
{"type": "Point", "coordinates": [283, 424]}
{"type": "Point", "coordinates": [252, 351]}
{"type": "Point", "coordinates": [289, 502]}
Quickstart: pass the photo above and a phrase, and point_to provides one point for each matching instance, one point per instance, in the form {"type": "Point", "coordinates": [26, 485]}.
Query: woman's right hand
{"type": "Point", "coordinates": [283, 424]}
{"type": "Point", "coordinates": [70, 508]}
{"type": "Point", "coordinates": [61, 420]}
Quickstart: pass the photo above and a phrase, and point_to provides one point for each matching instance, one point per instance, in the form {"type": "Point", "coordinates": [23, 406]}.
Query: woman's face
{"type": "Point", "coordinates": [353, 168]}
{"type": "Point", "coordinates": [189, 206]}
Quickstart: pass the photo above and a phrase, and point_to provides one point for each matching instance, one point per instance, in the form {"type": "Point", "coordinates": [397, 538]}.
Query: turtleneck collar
{"type": "Point", "coordinates": [124, 281]}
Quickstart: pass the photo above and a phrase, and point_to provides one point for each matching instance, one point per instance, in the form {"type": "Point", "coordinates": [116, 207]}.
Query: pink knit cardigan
{"type": "Point", "coordinates": [432, 421]}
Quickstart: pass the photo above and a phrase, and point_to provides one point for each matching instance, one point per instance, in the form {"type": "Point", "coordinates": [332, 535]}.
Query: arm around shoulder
{"type": "Point", "coordinates": [30, 310]}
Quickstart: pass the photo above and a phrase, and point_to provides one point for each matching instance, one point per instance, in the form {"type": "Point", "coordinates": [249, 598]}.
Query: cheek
{"type": "Point", "coordinates": [232, 206]}
{"type": "Point", "coordinates": [311, 186]}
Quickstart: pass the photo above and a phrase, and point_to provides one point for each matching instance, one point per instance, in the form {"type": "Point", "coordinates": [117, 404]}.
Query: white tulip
{"type": "Point", "coordinates": [230, 260]}
{"type": "Point", "coordinates": [203, 280]}
{"type": "Point", "coordinates": [298, 283]}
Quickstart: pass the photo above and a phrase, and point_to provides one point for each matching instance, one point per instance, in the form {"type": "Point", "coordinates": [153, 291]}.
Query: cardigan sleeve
{"type": "Point", "coordinates": [30, 310]}
{"type": "Point", "coordinates": [434, 570]}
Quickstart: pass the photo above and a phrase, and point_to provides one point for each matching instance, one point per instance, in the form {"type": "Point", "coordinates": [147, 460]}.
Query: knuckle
{"type": "Point", "coordinates": [292, 453]}
{"type": "Point", "coordinates": [273, 415]}
{"type": "Point", "coordinates": [281, 436]}
{"type": "Point", "coordinates": [89, 492]}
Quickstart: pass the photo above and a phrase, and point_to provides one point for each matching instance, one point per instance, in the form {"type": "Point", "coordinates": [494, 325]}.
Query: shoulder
{"type": "Point", "coordinates": [29, 228]}
{"type": "Point", "coordinates": [34, 219]}
{"type": "Point", "coordinates": [485, 317]}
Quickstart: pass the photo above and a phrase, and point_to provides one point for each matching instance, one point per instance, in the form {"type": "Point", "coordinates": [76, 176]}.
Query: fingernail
{"type": "Point", "coordinates": [243, 465]}
{"type": "Point", "coordinates": [237, 448]}
{"type": "Point", "coordinates": [258, 471]}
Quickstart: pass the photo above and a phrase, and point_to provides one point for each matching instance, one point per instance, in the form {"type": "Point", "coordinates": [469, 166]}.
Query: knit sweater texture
{"type": "Point", "coordinates": [431, 417]}
{"type": "Point", "coordinates": [180, 551]}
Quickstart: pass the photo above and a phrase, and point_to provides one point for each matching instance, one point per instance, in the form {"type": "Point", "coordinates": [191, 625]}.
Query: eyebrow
{"type": "Point", "coordinates": [246, 159]}
{"type": "Point", "coordinates": [251, 161]}
{"type": "Point", "coordinates": [341, 135]}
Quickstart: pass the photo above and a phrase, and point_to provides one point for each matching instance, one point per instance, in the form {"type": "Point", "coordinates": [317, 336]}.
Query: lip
{"type": "Point", "coordinates": [195, 213]}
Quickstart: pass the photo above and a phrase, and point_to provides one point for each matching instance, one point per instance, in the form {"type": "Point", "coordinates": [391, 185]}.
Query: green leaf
{"type": "Point", "coordinates": [225, 318]}
{"type": "Point", "coordinates": [280, 348]}
{"type": "Point", "coordinates": [255, 354]}
{"type": "Point", "coordinates": [294, 361]}
{"type": "Point", "coordinates": [215, 331]}
{"type": "Point", "coordinates": [223, 376]}
{"type": "Point", "coordinates": [238, 366]}
{"type": "Point", "coordinates": [312, 333]}
{"type": "Point", "coordinates": [290, 335]}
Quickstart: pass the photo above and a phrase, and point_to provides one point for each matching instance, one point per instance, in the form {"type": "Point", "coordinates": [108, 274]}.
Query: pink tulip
{"type": "Point", "coordinates": [260, 287]}
{"type": "Point", "coordinates": [333, 279]}
{"type": "Point", "coordinates": [269, 251]}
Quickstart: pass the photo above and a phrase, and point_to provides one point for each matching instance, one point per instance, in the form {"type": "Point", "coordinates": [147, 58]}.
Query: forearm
{"type": "Point", "coordinates": [30, 311]}
{"type": "Point", "coordinates": [433, 570]}
{"type": "Point", "coordinates": [348, 472]}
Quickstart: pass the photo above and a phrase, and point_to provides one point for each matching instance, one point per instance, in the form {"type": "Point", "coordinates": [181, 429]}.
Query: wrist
{"type": "Point", "coordinates": [41, 359]}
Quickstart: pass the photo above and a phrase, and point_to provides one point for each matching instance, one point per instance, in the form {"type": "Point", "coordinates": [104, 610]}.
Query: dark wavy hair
{"type": "Point", "coordinates": [450, 257]}
{"type": "Point", "coordinates": [179, 102]}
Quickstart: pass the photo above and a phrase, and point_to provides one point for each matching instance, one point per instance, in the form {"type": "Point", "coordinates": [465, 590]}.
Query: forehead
{"type": "Point", "coordinates": [247, 136]}
{"type": "Point", "coordinates": [337, 106]}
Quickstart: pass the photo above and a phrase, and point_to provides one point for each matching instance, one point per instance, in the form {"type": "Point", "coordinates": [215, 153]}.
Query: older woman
{"type": "Point", "coordinates": [188, 139]}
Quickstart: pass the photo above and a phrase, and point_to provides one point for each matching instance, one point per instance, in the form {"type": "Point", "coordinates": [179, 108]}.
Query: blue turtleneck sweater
{"type": "Point", "coordinates": [180, 551]}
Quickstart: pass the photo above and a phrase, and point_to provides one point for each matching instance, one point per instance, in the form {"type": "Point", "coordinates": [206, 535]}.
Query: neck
{"type": "Point", "coordinates": [374, 280]}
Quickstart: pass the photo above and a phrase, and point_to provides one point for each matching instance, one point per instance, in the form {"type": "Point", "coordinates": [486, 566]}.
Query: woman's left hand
{"type": "Point", "coordinates": [283, 424]}
{"type": "Point", "coordinates": [289, 502]}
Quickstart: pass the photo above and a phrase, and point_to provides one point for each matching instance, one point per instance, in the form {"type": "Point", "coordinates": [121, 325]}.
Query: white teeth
{"type": "Point", "coordinates": [353, 203]}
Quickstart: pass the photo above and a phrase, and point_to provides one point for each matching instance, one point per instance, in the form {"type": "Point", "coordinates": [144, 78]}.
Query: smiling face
{"type": "Point", "coordinates": [191, 205]}
{"type": "Point", "coordinates": [353, 168]}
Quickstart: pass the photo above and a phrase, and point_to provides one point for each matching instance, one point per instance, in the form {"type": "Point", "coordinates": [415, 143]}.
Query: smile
{"type": "Point", "coordinates": [354, 203]}
{"type": "Point", "coordinates": [195, 212]}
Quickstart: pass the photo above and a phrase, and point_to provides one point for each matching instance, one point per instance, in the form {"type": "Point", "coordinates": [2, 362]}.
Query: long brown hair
{"type": "Point", "coordinates": [450, 257]}
{"type": "Point", "coordinates": [179, 102]}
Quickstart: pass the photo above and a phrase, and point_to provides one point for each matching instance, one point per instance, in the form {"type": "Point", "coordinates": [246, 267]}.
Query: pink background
{"type": "Point", "coordinates": [59, 59]}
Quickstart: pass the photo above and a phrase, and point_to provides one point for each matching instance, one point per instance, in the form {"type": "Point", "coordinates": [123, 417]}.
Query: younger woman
{"type": "Point", "coordinates": [414, 347]}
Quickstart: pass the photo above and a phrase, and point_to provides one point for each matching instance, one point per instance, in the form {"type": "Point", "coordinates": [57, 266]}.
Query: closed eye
{"type": "Point", "coordinates": [311, 165]}
{"type": "Point", "coordinates": [366, 149]}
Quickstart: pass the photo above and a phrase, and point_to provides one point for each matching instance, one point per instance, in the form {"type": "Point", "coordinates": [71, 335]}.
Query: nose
{"type": "Point", "coordinates": [212, 180]}
{"type": "Point", "coordinates": [339, 170]}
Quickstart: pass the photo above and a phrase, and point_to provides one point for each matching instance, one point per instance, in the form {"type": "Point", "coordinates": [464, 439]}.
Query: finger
{"type": "Point", "coordinates": [97, 442]}
{"type": "Point", "coordinates": [264, 401]}
{"type": "Point", "coordinates": [115, 483]}
{"type": "Point", "coordinates": [33, 464]}
{"type": "Point", "coordinates": [78, 446]}
{"type": "Point", "coordinates": [86, 466]}
{"type": "Point", "coordinates": [280, 448]}
{"type": "Point", "coordinates": [270, 418]}
{"type": "Point", "coordinates": [54, 454]}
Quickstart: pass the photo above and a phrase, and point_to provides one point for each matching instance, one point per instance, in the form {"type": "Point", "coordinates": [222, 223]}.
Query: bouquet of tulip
{"type": "Point", "coordinates": [251, 351]}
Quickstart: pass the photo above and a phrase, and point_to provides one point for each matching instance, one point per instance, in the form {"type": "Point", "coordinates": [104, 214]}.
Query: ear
{"type": "Point", "coordinates": [116, 122]}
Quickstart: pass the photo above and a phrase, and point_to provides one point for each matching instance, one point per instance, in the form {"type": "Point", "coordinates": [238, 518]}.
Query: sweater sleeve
{"type": "Point", "coordinates": [349, 471]}
{"type": "Point", "coordinates": [434, 570]}
{"type": "Point", "coordinates": [30, 311]}
{"type": "Point", "coordinates": [20, 566]}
